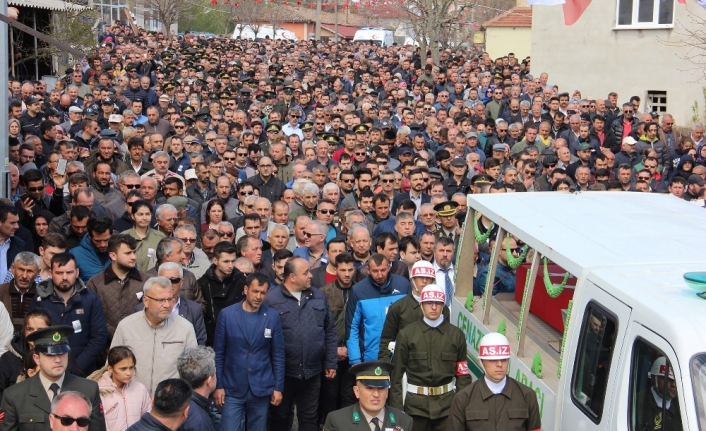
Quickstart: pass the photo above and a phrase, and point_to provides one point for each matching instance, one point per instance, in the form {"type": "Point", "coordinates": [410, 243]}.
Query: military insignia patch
{"type": "Point", "coordinates": [392, 419]}
{"type": "Point", "coordinates": [356, 417]}
{"type": "Point", "coordinates": [378, 371]}
{"type": "Point", "coordinates": [56, 337]}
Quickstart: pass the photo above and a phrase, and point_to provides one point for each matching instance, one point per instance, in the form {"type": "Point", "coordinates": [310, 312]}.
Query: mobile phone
{"type": "Point", "coordinates": [61, 167]}
{"type": "Point", "coordinates": [24, 197]}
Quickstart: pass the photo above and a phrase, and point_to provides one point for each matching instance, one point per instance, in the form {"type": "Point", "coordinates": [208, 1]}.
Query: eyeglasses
{"type": "Point", "coordinates": [517, 250]}
{"type": "Point", "coordinates": [163, 300]}
{"type": "Point", "coordinates": [228, 158]}
{"type": "Point", "coordinates": [309, 235]}
{"type": "Point", "coordinates": [35, 189]}
{"type": "Point", "coordinates": [332, 212]}
{"type": "Point", "coordinates": [212, 139]}
{"type": "Point", "coordinates": [387, 181]}
{"type": "Point", "coordinates": [650, 166]}
{"type": "Point", "coordinates": [228, 234]}
{"type": "Point", "coordinates": [627, 111]}
{"type": "Point", "coordinates": [426, 179]}
{"type": "Point", "coordinates": [241, 154]}
{"type": "Point", "coordinates": [530, 172]}
{"type": "Point", "coordinates": [643, 178]}
{"type": "Point", "coordinates": [217, 166]}
{"type": "Point", "coordinates": [361, 154]}
{"type": "Point", "coordinates": [175, 280]}
{"type": "Point", "coordinates": [131, 186]}
{"type": "Point", "coordinates": [347, 180]}
{"type": "Point", "coordinates": [188, 240]}
{"type": "Point", "coordinates": [68, 420]}
{"type": "Point", "coordinates": [179, 127]}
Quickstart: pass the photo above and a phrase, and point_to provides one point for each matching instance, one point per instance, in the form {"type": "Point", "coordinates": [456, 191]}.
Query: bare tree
{"type": "Point", "coordinates": [434, 23]}
{"type": "Point", "coordinates": [169, 11]}
{"type": "Point", "coordinates": [691, 41]}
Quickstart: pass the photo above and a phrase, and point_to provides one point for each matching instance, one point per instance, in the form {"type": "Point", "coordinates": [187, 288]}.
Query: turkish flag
{"type": "Point", "coordinates": [573, 9]}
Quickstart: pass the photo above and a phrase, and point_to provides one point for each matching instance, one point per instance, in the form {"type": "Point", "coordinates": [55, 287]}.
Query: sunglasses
{"type": "Point", "coordinates": [35, 189]}
{"type": "Point", "coordinates": [643, 178]}
{"type": "Point", "coordinates": [241, 154]}
{"type": "Point", "coordinates": [228, 158]}
{"type": "Point", "coordinates": [179, 127]}
{"type": "Point", "coordinates": [175, 280]}
{"type": "Point", "coordinates": [347, 181]}
{"type": "Point", "coordinates": [68, 420]}
{"type": "Point", "coordinates": [360, 154]}
{"type": "Point", "coordinates": [228, 234]}
{"type": "Point", "coordinates": [131, 186]}
{"type": "Point", "coordinates": [309, 235]}
{"type": "Point", "coordinates": [332, 212]}
{"type": "Point", "coordinates": [188, 240]}
{"type": "Point", "coordinates": [387, 181]}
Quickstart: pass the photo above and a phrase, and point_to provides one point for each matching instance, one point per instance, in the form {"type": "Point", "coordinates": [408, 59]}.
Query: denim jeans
{"type": "Point", "coordinates": [235, 410]}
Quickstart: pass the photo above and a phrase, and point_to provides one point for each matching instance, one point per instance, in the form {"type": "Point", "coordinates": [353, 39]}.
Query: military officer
{"type": "Point", "coordinates": [272, 131]}
{"type": "Point", "coordinates": [26, 405]}
{"type": "Point", "coordinates": [432, 353]}
{"type": "Point", "coordinates": [407, 310]}
{"type": "Point", "coordinates": [486, 404]}
{"type": "Point", "coordinates": [658, 407]}
{"type": "Point", "coordinates": [448, 224]}
{"type": "Point", "coordinates": [370, 412]}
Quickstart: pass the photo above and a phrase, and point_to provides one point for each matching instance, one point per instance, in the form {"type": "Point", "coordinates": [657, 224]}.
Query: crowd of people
{"type": "Point", "coordinates": [205, 233]}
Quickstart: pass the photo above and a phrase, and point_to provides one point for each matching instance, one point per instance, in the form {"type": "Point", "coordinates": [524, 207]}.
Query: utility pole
{"type": "Point", "coordinates": [317, 35]}
{"type": "Point", "coordinates": [4, 170]}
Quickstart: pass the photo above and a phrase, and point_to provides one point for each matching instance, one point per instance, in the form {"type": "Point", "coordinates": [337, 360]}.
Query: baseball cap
{"type": "Point", "coordinates": [696, 179]}
{"type": "Point", "coordinates": [115, 118]}
{"type": "Point", "coordinates": [629, 141]}
{"type": "Point", "coordinates": [190, 174]}
{"type": "Point", "coordinates": [75, 109]}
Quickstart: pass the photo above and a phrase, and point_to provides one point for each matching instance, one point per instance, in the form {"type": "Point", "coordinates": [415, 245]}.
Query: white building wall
{"type": "Point", "coordinates": [596, 59]}
{"type": "Point", "coordinates": [500, 41]}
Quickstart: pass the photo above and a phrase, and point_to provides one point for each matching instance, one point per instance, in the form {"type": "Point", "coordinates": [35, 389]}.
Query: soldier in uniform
{"type": "Point", "coordinates": [370, 412]}
{"type": "Point", "coordinates": [658, 407]}
{"type": "Point", "coordinates": [432, 353]}
{"type": "Point", "coordinates": [496, 402]}
{"type": "Point", "coordinates": [448, 224]}
{"type": "Point", "coordinates": [408, 309]}
{"type": "Point", "coordinates": [27, 405]}
{"type": "Point", "coordinates": [272, 130]}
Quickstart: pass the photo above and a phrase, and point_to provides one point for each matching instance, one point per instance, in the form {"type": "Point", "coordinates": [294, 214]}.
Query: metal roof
{"type": "Point", "coordinates": [46, 4]}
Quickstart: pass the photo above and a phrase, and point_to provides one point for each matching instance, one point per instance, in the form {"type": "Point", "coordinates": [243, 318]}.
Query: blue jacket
{"type": "Point", "coordinates": [365, 315]}
{"type": "Point", "coordinates": [310, 342]}
{"type": "Point", "coordinates": [389, 226]}
{"type": "Point", "coordinates": [88, 261]}
{"type": "Point", "coordinates": [199, 418]}
{"type": "Point", "coordinates": [83, 311]}
{"type": "Point", "coordinates": [242, 363]}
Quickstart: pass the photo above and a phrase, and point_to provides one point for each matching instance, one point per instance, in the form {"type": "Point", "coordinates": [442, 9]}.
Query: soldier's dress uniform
{"type": "Point", "coordinates": [477, 408]}
{"type": "Point", "coordinates": [26, 405]}
{"type": "Point", "coordinates": [434, 359]}
{"type": "Point", "coordinates": [375, 374]}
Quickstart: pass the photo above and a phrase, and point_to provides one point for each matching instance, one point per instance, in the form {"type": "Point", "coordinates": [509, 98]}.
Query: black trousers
{"type": "Point", "coordinates": [337, 393]}
{"type": "Point", "coordinates": [303, 392]}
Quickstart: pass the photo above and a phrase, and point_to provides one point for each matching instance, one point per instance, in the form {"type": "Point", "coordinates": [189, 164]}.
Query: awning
{"type": "Point", "coordinates": [343, 30]}
{"type": "Point", "coordinates": [46, 4]}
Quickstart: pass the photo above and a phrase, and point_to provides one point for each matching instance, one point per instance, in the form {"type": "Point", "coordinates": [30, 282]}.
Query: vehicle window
{"type": "Point", "coordinates": [698, 375]}
{"type": "Point", "coordinates": [654, 401]}
{"type": "Point", "coordinates": [592, 363]}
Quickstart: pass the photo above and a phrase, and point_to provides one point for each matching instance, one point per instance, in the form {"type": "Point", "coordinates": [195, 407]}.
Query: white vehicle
{"type": "Point", "coordinates": [264, 31]}
{"type": "Point", "coordinates": [630, 307]}
{"type": "Point", "coordinates": [378, 36]}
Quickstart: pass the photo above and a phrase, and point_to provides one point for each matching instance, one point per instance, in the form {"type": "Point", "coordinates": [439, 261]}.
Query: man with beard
{"type": "Point", "coordinates": [117, 287]}
{"type": "Point", "coordinates": [18, 293]}
{"type": "Point", "coordinates": [102, 183]}
{"type": "Point", "coordinates": [416, 195]}
{"type": "Point", "coordinates": [367, 305]}
{"type": "Point", "coordinates": [363, 181]}
{"type": "Point", "coordinates": [203, 190]}
{"type": "Point", "coordinates": [106, 153]}
{"type": "Point", "coordinates": [70, 303]}
{"type": "Point", "coordinates": [92, 252]}
{"type": "Point", "coordinates": [223, 188]}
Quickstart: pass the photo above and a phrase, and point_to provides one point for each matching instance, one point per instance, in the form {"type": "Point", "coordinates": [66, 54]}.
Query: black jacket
{"type": "Point", "coordinates": [219, 295]}
{"type": "Point", "coordinates": [614, 140]}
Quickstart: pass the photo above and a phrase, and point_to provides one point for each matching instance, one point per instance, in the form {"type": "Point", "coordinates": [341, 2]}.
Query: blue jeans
{"type": "Point", "coordinates": [234, 410]}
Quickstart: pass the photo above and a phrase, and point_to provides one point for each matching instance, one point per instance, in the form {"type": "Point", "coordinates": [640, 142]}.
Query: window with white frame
{"type": "Point", "coordinates": [657, 102]}
{"type": "Point", "coordinates": [645, 13]}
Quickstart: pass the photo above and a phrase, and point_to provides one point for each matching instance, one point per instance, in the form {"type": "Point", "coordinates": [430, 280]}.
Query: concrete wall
{"type": "Point", "coordinates": [596, 59]}
{"type": "Point", "coordinates": [499, 41]}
